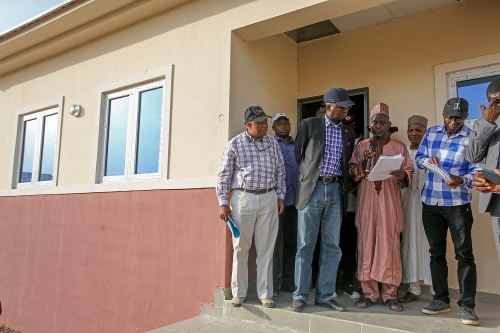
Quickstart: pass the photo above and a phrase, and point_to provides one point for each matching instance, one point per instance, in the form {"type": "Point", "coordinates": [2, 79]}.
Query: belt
{"type": "Point", "coordinates": [256, 191]}
{"type": "Point", "coordinates": [331, 179]}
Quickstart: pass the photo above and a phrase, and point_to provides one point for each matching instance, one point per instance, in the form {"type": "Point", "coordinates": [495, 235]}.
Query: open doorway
{"type": "Point", "coordinates": [313, 106]}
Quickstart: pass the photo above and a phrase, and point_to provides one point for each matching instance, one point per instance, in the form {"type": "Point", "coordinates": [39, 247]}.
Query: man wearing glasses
{"type": "Point", "coordinates": [323, 147]}
{"type": "Point", "coordinates": [446, 205]}
{"type": "Point", "coordinates": [251, 191]}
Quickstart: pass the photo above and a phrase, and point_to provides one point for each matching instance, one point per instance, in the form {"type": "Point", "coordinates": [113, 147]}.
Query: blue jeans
{"type": "Point", "coordinates": [324, 209]}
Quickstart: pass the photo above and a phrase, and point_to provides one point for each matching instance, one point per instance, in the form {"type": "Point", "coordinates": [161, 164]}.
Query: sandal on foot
{"type": "Point", "coordinates": [394, 305]}
{"type": "Point", "coordinates": [408, 298]}
{"type": "Point", "coordinates": [363, 303]}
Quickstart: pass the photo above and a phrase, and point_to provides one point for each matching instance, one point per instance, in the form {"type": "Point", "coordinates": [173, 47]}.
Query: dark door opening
{"type": "Point", "coordinates": [313, 106]}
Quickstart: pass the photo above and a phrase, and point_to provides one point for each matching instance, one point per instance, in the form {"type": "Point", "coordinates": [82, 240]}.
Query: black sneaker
{"type": "Point", "coordinates": [298, 305]}
{"type": "Point", "coordinates": [436, 307]}
{"type": "Point", "coordinates": [469, 317]}
{"type": "Point", "coordinates": [349, 291]}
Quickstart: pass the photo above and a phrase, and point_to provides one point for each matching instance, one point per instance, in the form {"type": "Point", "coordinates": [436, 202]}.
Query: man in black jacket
{"type": "Point", "coordinates": [323, 147]}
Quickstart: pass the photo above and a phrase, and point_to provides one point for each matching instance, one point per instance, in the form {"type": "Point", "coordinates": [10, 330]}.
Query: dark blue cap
{"type": "Point", "coordinates": [338, 96]}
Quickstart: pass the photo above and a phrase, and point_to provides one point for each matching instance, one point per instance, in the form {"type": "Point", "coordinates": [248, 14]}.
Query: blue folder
{"type": "Point", "coordinates": [232, 227]}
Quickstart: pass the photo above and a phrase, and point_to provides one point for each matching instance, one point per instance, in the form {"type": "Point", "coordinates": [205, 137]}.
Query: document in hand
{"type": "Point", "coordinates": [437, 170]}
{"type": "Point", "coordinates": [232, 227]}
{"type": "Point", "coordinates": [385, 164]}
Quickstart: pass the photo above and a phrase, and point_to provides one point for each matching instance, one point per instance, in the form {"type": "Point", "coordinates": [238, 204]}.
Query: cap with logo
{"type": "Point", "coordinates": [255, 113]}
{"type": "Point", "coordinates": [456, 107]}
{"type": "Point", "coordinates": [349, 119]}
{"type": "Point", "coordinates": [338, 96]}
{"type": "Point", "coordinates": [280, 115]}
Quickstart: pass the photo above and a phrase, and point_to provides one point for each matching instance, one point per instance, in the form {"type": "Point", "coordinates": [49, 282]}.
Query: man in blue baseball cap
{"type": "Point", "coordinates": [323, 148]}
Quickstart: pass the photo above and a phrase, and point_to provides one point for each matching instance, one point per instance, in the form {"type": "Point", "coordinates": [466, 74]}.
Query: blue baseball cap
{"type": "Point", "coordinates": [338, 96]}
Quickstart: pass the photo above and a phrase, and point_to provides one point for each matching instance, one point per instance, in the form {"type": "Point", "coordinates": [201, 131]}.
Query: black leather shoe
{"type": "Point", "coordinates": [332, 305]}
{"type": "Point", "coordinates": [298, 305]}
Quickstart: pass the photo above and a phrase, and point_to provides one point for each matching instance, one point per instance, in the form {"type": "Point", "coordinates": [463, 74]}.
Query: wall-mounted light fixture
{"type": "Point", "coordinates": [75, 110]}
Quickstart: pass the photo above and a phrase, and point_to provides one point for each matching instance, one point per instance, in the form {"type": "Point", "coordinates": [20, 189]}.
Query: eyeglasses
{"type": "Point", "coordinates": [341, 108]}
{"type": "Point", "coordinates": [457, 120]}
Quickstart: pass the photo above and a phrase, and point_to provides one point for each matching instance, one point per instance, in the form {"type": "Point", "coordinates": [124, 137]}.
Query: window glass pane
{"type": "Point", "coordinates": [117, 136]}
{"type": "Point", "coordinates": [28, 151]}
{"type": "Point", "coordinates": [148, 140]}
{"type": "Point", "coordinates": [48, 148]}
{"type": "Point", "coordinates": [474, 91]}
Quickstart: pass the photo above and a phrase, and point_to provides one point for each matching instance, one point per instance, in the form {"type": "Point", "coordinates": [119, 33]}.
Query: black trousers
{"type": "Point", "coordinates": [348, 245]}
{"type": "Point", "coordinates": [437, 220]}
{"type": "Point", "coordinates": [288, 230]}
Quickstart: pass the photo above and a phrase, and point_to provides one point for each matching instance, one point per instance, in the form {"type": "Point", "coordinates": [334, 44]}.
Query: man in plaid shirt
{"type": "Point", "coordinates": [446, 205]}
{"type": "Point", "coordinates": [252, 173]}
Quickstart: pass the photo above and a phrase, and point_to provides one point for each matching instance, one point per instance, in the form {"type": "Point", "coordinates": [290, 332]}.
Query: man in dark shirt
{"type": "Point", "coordinates": [288, 220]}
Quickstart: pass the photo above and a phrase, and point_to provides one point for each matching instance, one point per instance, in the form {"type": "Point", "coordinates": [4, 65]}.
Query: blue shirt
{"type": "Point", "coordinates": [332, 162]}
{"type": "Point", "coordinates": [291, 168]}
{"type": "Point", "coordinates": [450, 152]}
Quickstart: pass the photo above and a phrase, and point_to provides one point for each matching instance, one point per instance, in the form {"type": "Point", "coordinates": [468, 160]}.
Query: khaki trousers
{"type": "Point", "coordinates": [256, 216]}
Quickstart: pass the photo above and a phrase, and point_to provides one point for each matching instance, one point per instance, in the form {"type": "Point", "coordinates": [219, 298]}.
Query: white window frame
{"type": "Point", "coordinates": [470, 74]}
{"type": "Point", "coordinates": [37, 112]}
{"type": "Point", "coordinates": [447, 75]}
{"type": "Point", "coordinates": [132, 131]}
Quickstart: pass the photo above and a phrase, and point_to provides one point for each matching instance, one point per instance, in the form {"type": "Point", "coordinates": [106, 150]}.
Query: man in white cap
{"type": "Point", "coordinates": [414, 245]}
{"type": "Point", "coordinates": [287, 230]}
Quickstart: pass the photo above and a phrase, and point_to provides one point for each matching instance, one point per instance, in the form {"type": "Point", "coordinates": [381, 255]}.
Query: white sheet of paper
{"type": "Point", "coordinates": [385, 164]}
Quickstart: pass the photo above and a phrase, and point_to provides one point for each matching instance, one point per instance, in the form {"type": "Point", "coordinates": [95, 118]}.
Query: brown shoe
{"type": "Point", "coordinates": [408, 298]}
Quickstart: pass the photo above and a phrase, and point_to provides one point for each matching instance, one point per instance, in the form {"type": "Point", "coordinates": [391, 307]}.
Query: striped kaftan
{"type": "Point", "coordinates": [414, 246]}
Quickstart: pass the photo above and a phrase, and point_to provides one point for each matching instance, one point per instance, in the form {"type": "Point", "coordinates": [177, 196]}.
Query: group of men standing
{"type": "Point", "coordinates": [278, 188]}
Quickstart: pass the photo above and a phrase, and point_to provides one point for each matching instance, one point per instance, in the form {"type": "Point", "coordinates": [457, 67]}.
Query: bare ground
{"type": "Point", "coordinates": [6, 329]}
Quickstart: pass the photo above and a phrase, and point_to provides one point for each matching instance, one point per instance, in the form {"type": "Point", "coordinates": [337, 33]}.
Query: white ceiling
{"type": "Point", "coordinates": [387, 12]}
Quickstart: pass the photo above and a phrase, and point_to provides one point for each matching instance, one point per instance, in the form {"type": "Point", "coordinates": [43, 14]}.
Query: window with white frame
{"type": "Point", "coordinates": [471, 84]}
{"type": "Point", "coordinates": [37, 149]}
{"type": "Point", "coordinates": [132, 133]}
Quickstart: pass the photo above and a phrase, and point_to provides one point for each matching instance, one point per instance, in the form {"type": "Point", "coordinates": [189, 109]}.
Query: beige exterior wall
{"type": "Point", "coordinates": [196, 39]}
{"type": "Point", "coordinates": [396, 61]}
{"type": "Point", "coordinates": [263, 73]}
{"type": "Point", "coordinates": [217, 74]}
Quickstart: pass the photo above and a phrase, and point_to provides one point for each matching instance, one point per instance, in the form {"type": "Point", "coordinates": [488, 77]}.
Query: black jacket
{"type": "Point", "coordinates": [310, 151]}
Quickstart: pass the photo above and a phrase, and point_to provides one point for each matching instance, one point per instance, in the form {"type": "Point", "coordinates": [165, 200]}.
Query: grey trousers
{"type": "Point", "coordinates": [495, 223]}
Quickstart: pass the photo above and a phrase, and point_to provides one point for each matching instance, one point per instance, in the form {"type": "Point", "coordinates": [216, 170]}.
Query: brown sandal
{"type": "Point", "coordinates": [363, 303]}
{"type": "Point", "coordinates": [408, 298]}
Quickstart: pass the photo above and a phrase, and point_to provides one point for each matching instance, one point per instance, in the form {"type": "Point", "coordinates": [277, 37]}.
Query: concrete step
{"type": "Point", "coordinates": [376, 319]}
{"type": "Point", "coordinates": [205, 324]}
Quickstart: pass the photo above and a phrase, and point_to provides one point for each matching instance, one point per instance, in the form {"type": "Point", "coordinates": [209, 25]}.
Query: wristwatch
{"type": "Point", "coordinates": [463, 181]}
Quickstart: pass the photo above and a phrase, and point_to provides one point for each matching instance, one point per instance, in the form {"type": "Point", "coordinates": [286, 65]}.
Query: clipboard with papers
{"type": "Point", "coordinates": [437, 170]}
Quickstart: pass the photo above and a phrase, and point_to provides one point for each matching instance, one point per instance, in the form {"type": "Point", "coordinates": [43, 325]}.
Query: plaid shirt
{"type": "Point", "coordinates": [253, 165]}
{"type": "Point", "coordinates": [332, 161]}
{"type": "Point", "coordinates": [450, 152]}
{"type": "Point", "coordinates": [291, 168]}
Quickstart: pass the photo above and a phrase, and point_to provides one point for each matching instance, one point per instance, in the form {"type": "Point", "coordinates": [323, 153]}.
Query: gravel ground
{"type": "Point", "coordinates": [6, 329]}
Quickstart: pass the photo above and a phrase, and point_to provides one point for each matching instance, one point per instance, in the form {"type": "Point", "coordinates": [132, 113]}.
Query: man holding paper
{"type": "Point", "coordinates": [446, 205]}
{"type": "Point", "coordinates": [379, 218]}
{"type": "Point", "coordinates": [252, 173]}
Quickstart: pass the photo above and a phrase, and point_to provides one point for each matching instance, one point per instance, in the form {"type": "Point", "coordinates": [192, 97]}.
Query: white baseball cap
{"type": "Point", "coordinates": [280, 115]}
